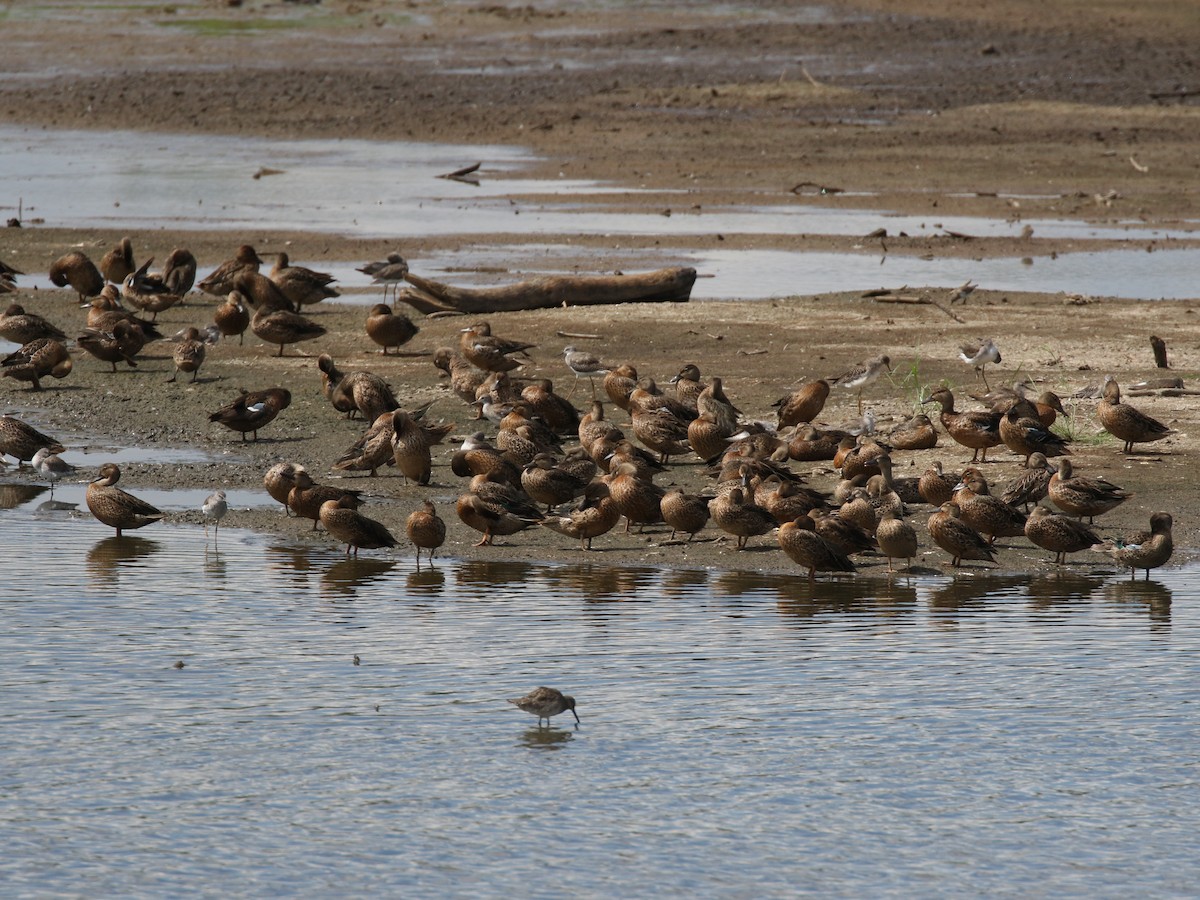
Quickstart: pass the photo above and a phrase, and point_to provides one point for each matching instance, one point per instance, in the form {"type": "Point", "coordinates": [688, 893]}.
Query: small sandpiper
{"type": "Point", "coordinates": [863, 374]}
{"type": "Point", "coordinates": [545, 702]}
{"type": "Point", "coordinates": [586, 365]}
{"type": "Point", "coordinates": [51, 466]}
{"type": "Point", "coordinates": [214, 508]}
{"type": "Point", "coordinates": [979, 355]}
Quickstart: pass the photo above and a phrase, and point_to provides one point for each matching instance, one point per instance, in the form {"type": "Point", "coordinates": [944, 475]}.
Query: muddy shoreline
{"type": "Point", "coordinates": [721, 106]}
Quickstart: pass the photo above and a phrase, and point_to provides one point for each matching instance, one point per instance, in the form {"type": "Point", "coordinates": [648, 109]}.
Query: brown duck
{"type": "Point", "coordinates": [546, 483]}
{"type": "Point", "coordinates": [743, 519]}
{"type": "Point", "coordinates": [281, 327]}
{"type": "Point", "coordinates": [988, 515]}
{"type": "Point", "coordinates": [1022, 432]}
{"type": "Point", "coordinates": [596, 514]}
{"type": "Point", "coordinates": [116, 508]}
{"type": "Point", "coordinates": [121, 344]}
{"type": "Point", "coordinates": [1125, 422]}
{"type": "Point", "coordinates": [897, 539]}
{"type": "Point", "coordinates": [1032, 484]}
{"type": "Point", "coordinates": [426, 530]}
{"type": "Point", "coordinates": [179, 272]}
{"type": "Point", "coordinates": [279, 481]}
{"type": "Point", "coordinates": [1082, 496]}
{"type": "Point", "coordinates": [188, 354]}
{"type": "Point", "coordinates": [232, 317]}
{"type": "Point", "coordinates": [684, 512]}
{"type": "Point", "coordinates": [935, 486]}
{"type": "Point", "coordinates": [76, 270]}
{"type": "Point", "coordinates": [803, 404]}
{"type": "Point", "coordinates": [489, 519]}
{"type": "Point", "coordinates": [1145, 551]}
{"type": "Point", "coordinates": [21, 327]}
{"type": "Point", "coordinates": [306, 496]}
{"type": "Point", "coordinates": [1058, 534]}
{"type": "Point", "coordinates": [37, 359]}
{"type": "Point", "coordinates": [956, 537]}
{"type": "Point", "coordinates": [252, 411]}
{"type": "Point", "coordinates": [977, 430]}
{"type": "Point", "coordinates": [223, 278]}
{"type": "Point", "coordinates": [619, 384]}
{"type": "Point", "coordinates": [411, 443]}
{"type": "Point", "coordinates": [301, 285]}
{"type": "Point", "coordinates": [22, 441]}
{"type": "Point", "coordinates": [343, 521]}
{"type": "Point", "coordinates": [804, 546]}
{"type": "Point", "coordinates": [640, 501]}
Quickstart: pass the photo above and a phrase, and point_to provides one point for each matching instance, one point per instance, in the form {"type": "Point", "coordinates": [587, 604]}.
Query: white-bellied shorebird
{"type": "Point", "coordinates": [545, 702]}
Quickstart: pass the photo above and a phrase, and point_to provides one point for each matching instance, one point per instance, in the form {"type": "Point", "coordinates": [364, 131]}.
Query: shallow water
{"type": "Point", "coordinates": [741, 734]}
{"type": "Point", "coordinates": [391, 189]}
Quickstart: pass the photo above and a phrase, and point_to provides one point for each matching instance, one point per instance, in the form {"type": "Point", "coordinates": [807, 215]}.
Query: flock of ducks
{"type": "Point", "coordinates": [580, 473]}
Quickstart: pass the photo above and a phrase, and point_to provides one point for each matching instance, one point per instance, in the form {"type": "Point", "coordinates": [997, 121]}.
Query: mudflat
{"type": "Point", "coordinates": [1080, 111]}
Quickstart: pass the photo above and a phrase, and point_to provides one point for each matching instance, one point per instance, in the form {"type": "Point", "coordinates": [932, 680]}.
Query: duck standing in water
{"type": "Point", "coordinates": [115, 507]}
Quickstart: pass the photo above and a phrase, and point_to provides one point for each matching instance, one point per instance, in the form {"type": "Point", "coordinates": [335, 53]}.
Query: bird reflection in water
{"type": "Point", "coordinates": [55, 508]}
{"type": "Point", "coordinates": [484, 573]}
{"type": "Point", "coordinates": [109, 556]}
{"type": "Point", "coordinates": [677, 583]}
{"type": "Point", "coordinates": [1061, 590]}
{"type": "Point", "coordinates": [546, 738]}
{"type": "Point", "coordinates": [347, 575]}
{"type": "Point", "coordinates": [296, 562]}
{"type": "Point", "coordinates": [972, 595]}
{"type": "Point", "coordinates": [1153, 595]}
{"type": "Point", "coordinates": [14, 495]}
{"type": "Point", "coordinates": [426, 581]}
{"type": "Point", "coordinates": [214, 564]}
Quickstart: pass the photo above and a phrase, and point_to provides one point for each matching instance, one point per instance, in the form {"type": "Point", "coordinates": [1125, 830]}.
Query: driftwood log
{"type": "Point", "coordinates": [673, 285]}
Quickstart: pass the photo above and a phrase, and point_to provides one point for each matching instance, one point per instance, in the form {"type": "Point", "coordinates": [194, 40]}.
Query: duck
{"type": "Point", "coordinates": [278, 326]}
{"type": "Point", "coordinates": [986, 514]}
{"type": "Point", "coordinates": [116, 508]}
{"type": "Point", "coordinates": [917, 433]}
{"type": "Point", "coordinates": [935, 486]}
{"type": "Point", "coordinates": [372, 450]}
{"type": "Point", "coordinates": [22, 441]}
{"type": "Point", "coordinates": [179, 271]}
{"type": "Point", "coordinates": [557, 412]}
{"type": "Point", "coordinates": [639, 500]}
{"type": "Point", "coordinates": [803, 404]}
{"type": "Point", "coordinates": [802, 545]}
{"type": "Point", "coordinates": [389, 329]}
{"type": "Point", "coordinates": [975, 430]}
{"type": "Point", "coordinates": [489, 519]}
{"type": "Point", "coordinates": [908, 489]}
{"type": "Point", "coordinates": [262, 293]}
{"type": "Point", "coordinates": [411, 440]}
{"type": "Point", "coordinates": [232, 317]}
{"type": "Point", "coordinates": [957, 538]}
{"type": "Point", "coordinates": [619, 385]}
{"type": "Point", "coordinates": [735, 515]}
{"type": "Point", "coordinates": [546, 483]}
{"type": "Point", "coordinates": [661, 432]}
{"type": "Point", "coordinates": [1125, 422]}
{"type": "Point", "coordinates": [426, 530]}
{"type": "Point", "coordinates": [1058, 534]}
{"type": "Point", "coordinates": [684, 512]}
{"type": "Point", "coordinates": [356, 392]}
{"type": "Point", "coordinates": [148, 293]}
{"type": "Point", "coordinates": [223, 278]}
{"type": "Point", "coordinates": [714, 401]}
{"type": "Point", "coordinates": [485, 351]}
{"type": "Point", "coordinates": [810, 444]}
{"type": "Point", "coordinates": [78, 271]}
{"type": "Point", "coordinates": [253, 410]}
{"type": "Point", "coordinates": [1144, 551]}
{"type": "Point", "coordinates": [596, 514]}
{"type": "Point", "coordinates": [279, 481]}
{"type": "Point", "coordinates": [1032, 485]}
{"type": "Point", "coordinates": [22, 327]}
{"type": "Point", "coordinates": [105, 311]}
{"type": "Point", "coordinates": [123, 343]}
{"type": "Point", "coordinates": [343, 521]}
{"type": "Point", "coordinates": [37, 359]}
{"type": "Point", "coordinates": [863, 458]}
{"type": "Point", "coordinates": [465, 379]}
{"type": "Point", "coordinates": [897, 539]}
{"type": "Point", "coordinates": [688, 386]}
{"type": "Point", "coordinates": [301, 285]}
{"type": "Point", "coordinates": [117, 264]}
{"type": "Point", "coordinates": [510, 497]}
{"type": "Point", "coordinates": [478, 457]}
{"type": "Point", "coordinates": [1082, 496]}
{"type": "Point", "coordinates": [1022, 432]}
{"type": "Point", "coordinates": [188, 354]}
{"type": "Point", "coordinates": [848, 536]}
{"type": "Point", "coordinates": [707, 437]}
{"type": "Point", "coordinates": [787, 500]}
{"type": "Point", "coordinates": [307, 497]}
{"type": "Point", "coordinates": [1049, 408]}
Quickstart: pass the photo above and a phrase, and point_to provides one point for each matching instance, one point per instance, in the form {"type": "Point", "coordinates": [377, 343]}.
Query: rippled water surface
{"type": "Point", "coordinates": [742, 734]}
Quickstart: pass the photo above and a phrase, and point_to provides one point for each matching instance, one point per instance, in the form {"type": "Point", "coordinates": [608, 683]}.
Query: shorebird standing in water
{"type": "Point", "coordinates": [51, 466]}
{"type": "Point", "coordinates": [214, 508]}
{"type": "Point", "coordinates": [545, 702]}
{"type": "Point", "coordinates": [584, 364]}
{"type": "Point", "coordinates": [863, 374]}
{"type": "Point", "coordinates": [979, 355]}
